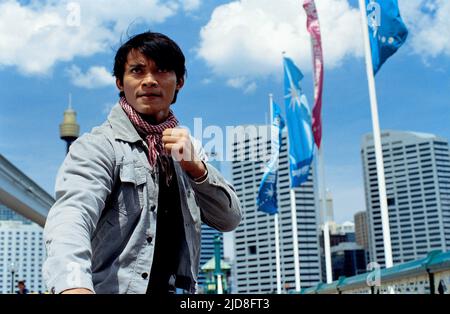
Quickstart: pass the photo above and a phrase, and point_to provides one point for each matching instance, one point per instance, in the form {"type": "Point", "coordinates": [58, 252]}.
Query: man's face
{"type": "Point", "coordinates": [148, 89]}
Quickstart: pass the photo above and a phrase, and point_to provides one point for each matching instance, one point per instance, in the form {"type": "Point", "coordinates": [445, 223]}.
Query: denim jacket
{"type": "Point", "coordinates": [100, 233]}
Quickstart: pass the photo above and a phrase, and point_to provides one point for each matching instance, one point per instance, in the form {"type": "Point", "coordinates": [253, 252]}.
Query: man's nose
{"type": "Point", "coordinates": [149, 80]}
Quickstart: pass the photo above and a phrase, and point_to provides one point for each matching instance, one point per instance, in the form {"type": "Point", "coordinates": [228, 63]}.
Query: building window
{"type": "Point", "coordinates": [252, 249]}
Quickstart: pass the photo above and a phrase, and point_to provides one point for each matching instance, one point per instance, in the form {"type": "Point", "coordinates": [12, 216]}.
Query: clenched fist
{"type": "Point", "coordinates": [177, 142]}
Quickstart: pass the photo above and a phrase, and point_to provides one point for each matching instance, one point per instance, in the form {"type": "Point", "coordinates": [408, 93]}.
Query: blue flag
{"type": "Point", "coordinates": [267, 192]}
{"type": "Point", "coordinates": [387, 32]}
{"type": "Point", "coordinates": [298, 116]}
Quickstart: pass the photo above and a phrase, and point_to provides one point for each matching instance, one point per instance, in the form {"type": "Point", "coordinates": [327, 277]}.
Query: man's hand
{"type": "Point", "coordinates": [178, 143]}
{"type": "Point", "coordinates": [77, 291]}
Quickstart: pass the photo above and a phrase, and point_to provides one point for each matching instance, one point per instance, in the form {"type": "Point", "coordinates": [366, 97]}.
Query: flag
{"type": "Point", "coordinates": [313, 27]}
{"type": "Point", "coordinates": [298, 116]}
{"type": "Point", "coordinates": [267, 192]}
{"type": "Point", "coordinates": [387, 32]}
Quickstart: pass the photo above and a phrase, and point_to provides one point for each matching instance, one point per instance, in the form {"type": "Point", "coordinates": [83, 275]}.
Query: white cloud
{"type": "Point", "coordinates": [429, 26]}
{"type": "Point", "coordinates": [246, 38]}
{"type": "Point", "coordinates": [95, 77]}
{"type": "Point", "coordinates": [243, 84]}
{"type": "Point", "coordinates": [190, 5]}
{"type": "Point", "coordinates": [237, 82]}
{"type": "Point", "coordinates": [250, 88]}
{"type": "Point", "coordinates": [36, 36]}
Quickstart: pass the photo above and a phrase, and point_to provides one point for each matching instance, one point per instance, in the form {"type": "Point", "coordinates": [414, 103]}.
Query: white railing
{"type": "Point", "coordinates": [430, 275]}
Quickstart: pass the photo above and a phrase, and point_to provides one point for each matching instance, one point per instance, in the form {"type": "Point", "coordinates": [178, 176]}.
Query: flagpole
{"type": "Point", "coordinates": [277, 253]}
{"type": "Point", "coordinates": [377, 139]}
{"type": "Point", "coordinates": [322, 205]}
{"type": "Point", "coordinates": [295, 240]}
{"type": "Point", "coordinates": [323, 221]}
{"type": "Point", "coordinates": [275, 221]}
{"type": "Point", "coordinates": [294, 225]}
{"type": "Point", "coordinates": [326, 229]}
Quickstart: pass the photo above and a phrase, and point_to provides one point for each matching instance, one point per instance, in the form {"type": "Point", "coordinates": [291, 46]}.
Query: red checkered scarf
{"type": "Point", "coordinates": [152, 133]}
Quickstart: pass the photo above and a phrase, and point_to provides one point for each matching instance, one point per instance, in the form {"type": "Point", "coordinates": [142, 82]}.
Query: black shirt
{"type": "Point", "coordinates": [169, 231]}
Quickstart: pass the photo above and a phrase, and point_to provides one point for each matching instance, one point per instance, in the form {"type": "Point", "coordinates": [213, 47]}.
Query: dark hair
{"type": "Point", "coordinates": [156, 46]}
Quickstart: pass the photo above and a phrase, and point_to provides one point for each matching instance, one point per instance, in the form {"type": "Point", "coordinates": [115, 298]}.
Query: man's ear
{"type": "Point", "coordinates": [180, 83]}
{"type": "Point", "coordinates": [119, 85]}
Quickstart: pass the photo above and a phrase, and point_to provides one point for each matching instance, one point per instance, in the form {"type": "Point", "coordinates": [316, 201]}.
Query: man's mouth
{"type": "Point", "coordinates": [150, 95]}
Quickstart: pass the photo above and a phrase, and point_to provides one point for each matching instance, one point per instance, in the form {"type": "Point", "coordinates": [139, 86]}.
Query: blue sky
{"type": "Point", "coordinates": [233, 51]}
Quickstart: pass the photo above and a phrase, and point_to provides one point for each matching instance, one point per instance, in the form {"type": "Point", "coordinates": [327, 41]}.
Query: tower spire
{"type": "Point", "coordinates": [69, 129]}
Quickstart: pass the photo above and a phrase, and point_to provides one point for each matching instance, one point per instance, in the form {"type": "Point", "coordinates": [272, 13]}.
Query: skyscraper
{"type": "Point", "coordinates": [8, 214]}
{"type": "Point", "coordinates": [22, 244]}
{"type": "Point", "coordinates": [361, 229]}
{"type": "Point", "coordinates": [348, 259]}
{"type": "Point", "coordinates": [254, 237]}
{"type": "Point", "coordinates": [344, 251]}
{"type": "Point", "coordinates": [328, 215]}
{"type": "Point", "coordinates": [417, 170]}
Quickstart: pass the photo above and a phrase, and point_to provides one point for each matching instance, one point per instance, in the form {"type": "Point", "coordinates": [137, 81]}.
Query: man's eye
{"type": "Point", "coordinates": [163, 70]}
{"type": "Point", "coordinates": [135, 70]}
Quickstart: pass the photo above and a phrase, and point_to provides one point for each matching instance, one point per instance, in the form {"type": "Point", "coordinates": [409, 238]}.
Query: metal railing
{"type": "Point", "coordinates": [430, 275]}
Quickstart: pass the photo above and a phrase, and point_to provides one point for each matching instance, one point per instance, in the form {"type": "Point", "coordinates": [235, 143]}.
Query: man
{"type": "Point", "coordinates": [22, 287]}
{"type": "Point", "coordinates": [132, 194]}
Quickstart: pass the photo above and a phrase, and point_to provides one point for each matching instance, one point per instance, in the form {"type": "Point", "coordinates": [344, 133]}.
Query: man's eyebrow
{"type": "Point", "coordinates": [136, 65]}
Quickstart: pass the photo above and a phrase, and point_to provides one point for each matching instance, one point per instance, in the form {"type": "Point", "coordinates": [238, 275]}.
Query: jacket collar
{"type": "Point", "coordinates": [122, 126]}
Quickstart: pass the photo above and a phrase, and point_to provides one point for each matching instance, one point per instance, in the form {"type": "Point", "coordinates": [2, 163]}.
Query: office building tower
{"type": "Point", "coordinates": [328, 214]}
{"type": "Point", "coordinates": [361, 229]}
{"type": "Point", "coordinates": [254, 237]}
{"type": "Point", "coordinates": [8, 214]}
{"type": "Point", "coordinates": [348, 259]}
{"type": "Point", "coordinates": [343, 247]}
{"type": "Point", "coordinates": [21, 256]}
{"type": "Point", "coordinates": [417, 171]}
